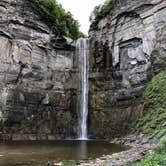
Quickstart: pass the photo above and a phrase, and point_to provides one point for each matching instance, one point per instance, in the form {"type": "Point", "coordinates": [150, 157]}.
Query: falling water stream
{"type": "Point", "coordinates": [82, 46]}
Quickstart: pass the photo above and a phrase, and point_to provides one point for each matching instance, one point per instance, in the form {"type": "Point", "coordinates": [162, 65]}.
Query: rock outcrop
{"type": "Point", "coordinates": [127, 47]}
{"type": "Point", "coordinates": [36, 76]}
{"type": "Point", "coordinates": [38, 70]}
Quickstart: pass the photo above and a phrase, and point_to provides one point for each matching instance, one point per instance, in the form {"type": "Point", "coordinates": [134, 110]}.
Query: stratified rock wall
{"type": "Point", "coordinates": [38, 70]}
{"type": "Point", "coordinates": [127, 47]}
{"type": "Point", "coordinates": [36, 76]}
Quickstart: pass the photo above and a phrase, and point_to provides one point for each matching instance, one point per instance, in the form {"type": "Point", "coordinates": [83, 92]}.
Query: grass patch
{"type": "Point", "coordinates": [153, 122]}
{"type": "Point", "coordinates": [157, 158]}
{"type": "Point", "coordinates": [155, 92]}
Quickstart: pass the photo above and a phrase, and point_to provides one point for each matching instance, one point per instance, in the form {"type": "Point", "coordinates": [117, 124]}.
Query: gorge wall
{"type": "Point", "coordinates": [127, 48]}
{"type": "Point", "coordinates": [38, 70]}
{"type": "Point", "coordinates": [36, 76]}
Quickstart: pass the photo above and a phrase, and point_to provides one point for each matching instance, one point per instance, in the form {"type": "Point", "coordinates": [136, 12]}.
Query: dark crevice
{"type": "Point", "coordinates": [22, 66]}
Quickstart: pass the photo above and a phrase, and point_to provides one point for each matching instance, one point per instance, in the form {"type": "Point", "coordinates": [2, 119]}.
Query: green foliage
{"type": "Point", "coordinates": [153, 122]}
{"type": "Point", "coordinates": [51, 11]}
{"type": "Point", "coordinates": [161, 148]}
{"type": "Point", "coordinates": [155, 93]}
{"type": "Point", "coordinates": [157, 158]}
{"type": "Point", "coordinates": [101, 11]}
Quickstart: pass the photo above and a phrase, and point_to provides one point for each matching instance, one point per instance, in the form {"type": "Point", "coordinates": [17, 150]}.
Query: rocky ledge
{"type": "Point", "coordinates": [140, 146]}
{"type": "Point", "coordinates": [127, 48]}
{"type": "Point", "coordinates": [36, 76]}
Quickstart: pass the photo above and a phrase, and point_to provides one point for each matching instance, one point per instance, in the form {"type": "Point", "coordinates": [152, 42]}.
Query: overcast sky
{"type": "Point", "coordinates": [81, 10]}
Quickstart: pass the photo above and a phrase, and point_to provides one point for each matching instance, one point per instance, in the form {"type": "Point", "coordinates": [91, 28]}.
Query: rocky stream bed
{"type": "Point", "coordinates": [140, 146]}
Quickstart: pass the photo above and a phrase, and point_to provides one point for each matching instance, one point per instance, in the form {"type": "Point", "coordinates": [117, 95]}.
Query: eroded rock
{"type": "Point", "coordinates": [35, 64]}
{"type": "Point", "coordinates": [126, 48]}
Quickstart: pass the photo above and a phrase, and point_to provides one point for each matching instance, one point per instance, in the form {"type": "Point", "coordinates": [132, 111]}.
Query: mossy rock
{"type": "Point", "coordinates": [153, 122]}
{"type": "Point", "coordinates": [157, 158]}
{"type": "Point", "coordinates": [155, 92]}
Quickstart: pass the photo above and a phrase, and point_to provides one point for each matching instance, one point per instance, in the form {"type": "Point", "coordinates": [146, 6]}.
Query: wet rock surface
{"type": "Point", "coordinates": [127, 48]}
{"type": "Point", "coordinates": [140, 146]}
{"type": "Point", "coordinates": [36, 76]}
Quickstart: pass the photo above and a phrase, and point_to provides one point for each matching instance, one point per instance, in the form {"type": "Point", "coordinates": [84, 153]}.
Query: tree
{"type": "Point", "coordinates": [57, 16]}
{"type": "Point", "coordinates": [101, 11]}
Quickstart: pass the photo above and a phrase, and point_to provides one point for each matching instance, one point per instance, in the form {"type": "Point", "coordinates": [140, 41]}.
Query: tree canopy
{"type": "Point", "coordinates": [57, 16]}
{"type": "Point", "coordinates": [101, 11]}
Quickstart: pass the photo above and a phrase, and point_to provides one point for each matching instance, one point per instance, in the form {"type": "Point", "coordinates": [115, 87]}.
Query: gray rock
{"type": "Point", "coordinates": [126, 48]}
{"type": "Point", "coordinates": [36, 91]}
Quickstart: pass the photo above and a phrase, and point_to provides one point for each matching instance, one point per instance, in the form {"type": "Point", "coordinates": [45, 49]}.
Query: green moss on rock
{"type": "Point", "coordinates": [155, 92]}
{"type": "Point", "coordinates": [157, 158]}
{"type": "Point", "coordinates": [153, 122]}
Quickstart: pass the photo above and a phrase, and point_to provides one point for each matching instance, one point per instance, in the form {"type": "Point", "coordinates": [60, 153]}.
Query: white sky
{"type": "Point", "coordinates": [81, 10]}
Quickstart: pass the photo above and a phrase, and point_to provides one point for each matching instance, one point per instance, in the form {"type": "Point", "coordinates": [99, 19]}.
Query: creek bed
{"type": "Point", "coordinates": [38, 153]}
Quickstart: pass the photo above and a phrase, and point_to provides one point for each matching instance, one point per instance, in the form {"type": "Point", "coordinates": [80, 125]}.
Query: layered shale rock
{"type": "Point", "coordinates": [126, 48]}
{"type": "Point", "coordinates": [38, 70]}
{"type": "Point", "coordinates": [36, 76]}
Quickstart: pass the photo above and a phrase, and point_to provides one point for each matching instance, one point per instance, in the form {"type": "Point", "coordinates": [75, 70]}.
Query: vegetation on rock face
{"type": "Point", "coordinates": [157, 158]}
{"type": "Point", "coordinates": [155, 92]}
{"type": "Point", "coordinates": [57, 16]}
{"type": "Point", "coordinates": [153, 122]}
{"type": "Point", "coordinates": [101, 11]}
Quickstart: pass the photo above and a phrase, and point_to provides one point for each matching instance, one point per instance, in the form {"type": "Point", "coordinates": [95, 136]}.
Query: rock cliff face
{"type": "Point", "coordinates": [36, 76]}
{"type": "Point", "coordinates": [127, 47]}
{"type": "Point", "coordinates": [38, 70]}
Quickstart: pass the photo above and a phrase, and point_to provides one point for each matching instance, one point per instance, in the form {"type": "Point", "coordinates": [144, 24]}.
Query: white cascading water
{"type": "Point", "coordinates": [4, 94]}
{"type": "Point", "coordinates": [82, 46]}
{"type": "Point", "coordinates": [3, 99]}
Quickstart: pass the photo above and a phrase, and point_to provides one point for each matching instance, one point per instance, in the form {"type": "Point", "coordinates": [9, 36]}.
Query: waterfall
{"type": "Point", "coordinates": [82, 46]}
{"type": "Point", "coordinates": [3, 100]}
{"type": "Point", "coordinates": [4, 94]}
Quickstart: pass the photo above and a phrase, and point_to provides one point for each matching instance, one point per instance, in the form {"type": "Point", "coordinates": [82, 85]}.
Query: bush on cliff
{"type": "Point", "coordinates": [57, 16]}
{"type": "Point", "coordinates": [101, 11]}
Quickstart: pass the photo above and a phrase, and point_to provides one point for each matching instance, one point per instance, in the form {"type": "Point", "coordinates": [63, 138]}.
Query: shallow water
{"type": "Point", "coordinates": [38, 153]}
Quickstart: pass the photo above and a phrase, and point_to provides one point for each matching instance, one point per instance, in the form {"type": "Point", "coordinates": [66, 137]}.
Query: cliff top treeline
{"type": "Point", "coordinates": [101, 11]}
{"type": "Point", "coordinates": [57, 16]}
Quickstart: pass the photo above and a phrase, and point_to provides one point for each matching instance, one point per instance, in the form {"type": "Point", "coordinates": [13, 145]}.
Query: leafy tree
{"type": "Point", "coordinates": [95, 12]}
{"type": "Point", "coordinates": [57, 16]}
{"type": "Point", "coordinates": [101, 11]}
